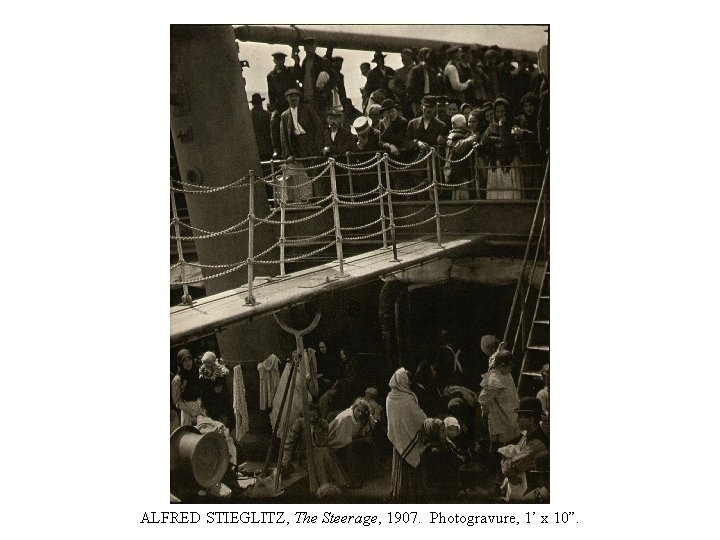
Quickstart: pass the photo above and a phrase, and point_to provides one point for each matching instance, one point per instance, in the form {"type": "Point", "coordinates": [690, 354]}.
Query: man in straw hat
{"type": "Point", "coordinates": [368, 138]}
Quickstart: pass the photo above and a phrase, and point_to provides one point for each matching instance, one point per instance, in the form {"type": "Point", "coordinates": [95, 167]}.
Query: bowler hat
{"type": "Point", "coordinates": [441, 99]}
{"type": "Point", "coordinates": [530, 406]}
{"type": "Point", "coordinates": [386, 105]}
{"type": "Point", "coordinates": [361, 124]}
{"type": "Point", "coordinates": [257, 98]}
{"type": "Point", "coordinates": [429, 100]}
{"type": "Point", "coordinates": [333, 112]}
{"type": "Point", "coordinates": [292, 91]}
{"type": "Point", "coordinates": [377, 56]}
{"type": "Point", "coordinates": [279, 55]}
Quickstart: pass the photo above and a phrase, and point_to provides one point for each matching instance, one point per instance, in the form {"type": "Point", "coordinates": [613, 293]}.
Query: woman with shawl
{"type": "Point", "coordinates": [438, 463]}
{"type": "Point", "coordinates": [349, 435]}
{"type": "Point", "coordinates": [504, 181]}
{"type": "Point", "coordinates": [530, 153]}
{"type": "Point", "coordinates": [499, 399]}
{"type": "Point", "coordinates": [405, 423]}
{"type": "Point", "coordinates": [186, 388]}
{"type": "Point", "coordinates": [458, 170]}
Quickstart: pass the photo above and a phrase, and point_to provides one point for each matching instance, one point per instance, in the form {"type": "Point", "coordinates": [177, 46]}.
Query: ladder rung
{"type": "Point", "coordinates": [539, 348]}
{"type": "Point", "coordinates": [533, 374]}
{"type": "Point", "coordinates": [543, 297]}
{"type": "Point", "coordinates": [541, 322]}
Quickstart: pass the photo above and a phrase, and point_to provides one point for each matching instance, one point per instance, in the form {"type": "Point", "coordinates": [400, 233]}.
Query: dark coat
{"type": "Point", "coordinates": [373, 142]}
{"type": "Point", "coordinates": [395, 133]}
{"type": "Point", "coordinates": [416, 132]}
{"type": "Point", "coordinates": [376, 80]}
{"type": "Point", "coordinates": [416, 81]}
{"type": "Point", "coordinates": [278, 83]}
{"type": "Point", "coordinates": [261, 126]}
{"type": "Point", "coordinates": [310, 122]}
{"type": "Point", "coordinates": [344, 141]}
{"type": "Point", "coordinates": [322, 98]}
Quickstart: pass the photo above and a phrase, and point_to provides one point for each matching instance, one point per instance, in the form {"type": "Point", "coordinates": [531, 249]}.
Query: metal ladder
{"type": "Point", "coordinates": [531, 339]}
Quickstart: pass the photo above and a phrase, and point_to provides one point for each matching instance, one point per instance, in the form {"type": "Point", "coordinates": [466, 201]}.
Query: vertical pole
{"type": "Point", "coordinates": [277, 423]}
{"type": "Point", "coordinates": [435, 194]}
{"type": "Point", "coordinates": [382, 202]}
{"type": "Point", "coordinates": [186, 298]}
{"type": "Point", "coordinates": [336, 216]}
{"type": "Point", "coordinates": [476, 174]}
{"type": "Point", "coordinates": [274, 182]}
{"type": "Point", "coordinates": [350, 180]}
{"type": "Point", "coordinates": [291, 382]}
{"type": "Point", "coordinates": [307, 436]}
{"type": "Point", "coordinates": [390, 209]}
{"type": "Point", "coordinates": [283, 202]}
{"type": "Point", "coordinates": [250, 299]}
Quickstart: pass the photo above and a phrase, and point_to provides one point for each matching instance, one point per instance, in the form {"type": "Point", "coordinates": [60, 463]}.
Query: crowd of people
{"type": "Point", "coordinates": [451, 426]}
{"type": "Point", "coordinates": [451, 98]}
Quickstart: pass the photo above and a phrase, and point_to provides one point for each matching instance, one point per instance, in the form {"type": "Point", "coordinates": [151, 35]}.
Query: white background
{"type": "Point", "coordinates": [634, 274]}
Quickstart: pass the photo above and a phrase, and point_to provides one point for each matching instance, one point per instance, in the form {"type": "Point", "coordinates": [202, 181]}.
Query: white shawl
{"type": "Point", "coordinates": [405, 418]}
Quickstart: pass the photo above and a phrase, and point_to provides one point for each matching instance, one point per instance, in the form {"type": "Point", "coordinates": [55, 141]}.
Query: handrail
{"type": "Point", "coordinates": [518, 286]}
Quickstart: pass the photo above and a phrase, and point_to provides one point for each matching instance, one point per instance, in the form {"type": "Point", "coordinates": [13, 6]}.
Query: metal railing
{"type": "Point", "coordinates": [358, 179]}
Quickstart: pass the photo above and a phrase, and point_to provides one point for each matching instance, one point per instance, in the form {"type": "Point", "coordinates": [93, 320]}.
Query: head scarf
{"type": "Point", "coordinates": [434, 429]}
{"type": "Point", "coordinates": [451, 421]}
{"type": "Point", "coordinates": [405, 418]}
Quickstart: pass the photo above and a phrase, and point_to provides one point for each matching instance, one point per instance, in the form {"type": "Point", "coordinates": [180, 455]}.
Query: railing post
{"type": "Point", "coordinates": [382, 202]}
{"type": "Point", "coordinates": [274, 181]}
{"type": "Point", "coordinates": [250, 299]}
{"type": "Point", "coordinates": [283, 202]}
{"type": "Point", "coordinates": [336, 216]}
{"type": "Point", "coordinates": [350, 180]}
{"type": "Point", "coordinates": [186, 298]}
{"type": "Point", "coordinates": [390, 209]}
{"type": "Point", "coordinates": [476, 173]}
{"type": "Point", "coordinates": [435, 194]}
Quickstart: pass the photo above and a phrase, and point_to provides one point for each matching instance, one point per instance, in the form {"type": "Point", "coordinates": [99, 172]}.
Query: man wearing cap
{"type": "Point", "coordinates": [426, 130]}
{"type": "Point", "coordinates": [337, 139]}
{"type": "Point", "coordinates": [422, 80]}
{"type": "Point", "coordinates": [315, 76]}
{"type": "Point", "coordinates": [279, 80]}
{"type": "Point", "coordinates": [442, 110]}
{"type": "Point", "coordinates": [379, 77]}
{"type": "Point", "coordinates": [399, 84]}
{"type": "Point", "coordinates": [451, 74]}
{"type": "Point", "coordinates": [299, 128]}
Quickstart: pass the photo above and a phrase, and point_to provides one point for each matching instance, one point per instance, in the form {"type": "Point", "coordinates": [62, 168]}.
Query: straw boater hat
{"type": "Point", "coordinates": [361, 125]}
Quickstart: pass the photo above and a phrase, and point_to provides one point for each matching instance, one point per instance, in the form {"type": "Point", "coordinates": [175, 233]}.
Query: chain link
{"type": "Point", "coordinates": [309, 238]}
{"type": "Point", "coordinates": [291, 221]}
{"type": "Point", "coordinates": [406, 193]}
{"type": "Point", "coordinates": [349, 203]}
{"type": "Point", "coordinates": [448, 160]}
{"type": "Point", "coordinates": [411, 215]}
{"type": "Point", "coordinates": [428, 220]}
{"type": "Point", "coordinates": [213, 276]}
{"type": "Point", "coordinates": [459, 212]}
{"type": "Point", "coordinates": [299, 257]}
{"type": "Point", "coordinates": [203, 189]}
{"type": "Point", "coordinates": [401, 165]}
{"type": "Point", "coordinates": [378, 220]}
{"type": "Point", "coordinates": [363, 237]}
{"type": "Point", "coordinates": [354, 195]}
{"type": "Point", "coordinates": [358, 167]}
{"type": "Point", "coordinates": [442, 185]}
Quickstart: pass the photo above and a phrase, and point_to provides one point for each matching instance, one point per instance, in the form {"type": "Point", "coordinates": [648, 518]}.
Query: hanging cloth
{"type": "Point", "coordinates": [239, 404]}
{"type": "Point", "coordinates": [269, 373]}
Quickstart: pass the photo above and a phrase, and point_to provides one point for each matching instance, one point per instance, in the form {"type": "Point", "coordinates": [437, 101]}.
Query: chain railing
{"type": "Point", "coordinates": [293, 190]}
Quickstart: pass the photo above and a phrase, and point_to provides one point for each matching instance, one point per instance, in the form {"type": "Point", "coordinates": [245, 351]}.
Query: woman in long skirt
{"type": "Point", "coordinates": [405, 423]}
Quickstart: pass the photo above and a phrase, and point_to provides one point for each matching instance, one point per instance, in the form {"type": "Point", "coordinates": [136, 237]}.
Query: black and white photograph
{"type": "Point", "coordinates": [360, 263]}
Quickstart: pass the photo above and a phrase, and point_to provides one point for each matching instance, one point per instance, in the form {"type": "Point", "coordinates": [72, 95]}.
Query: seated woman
{"type": "Point", "coordinates": [350, 437]}
{"type": "Point", "coordinates": [439, 465]}
{"type": "Point", "coordinates": [326, 468]}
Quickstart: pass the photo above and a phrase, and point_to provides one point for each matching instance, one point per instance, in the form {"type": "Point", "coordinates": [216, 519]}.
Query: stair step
{"type": "Point", "coordinates": [541, 322]}
{"type": "Point", "coordinates": [539, 348]}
